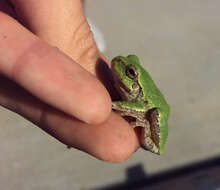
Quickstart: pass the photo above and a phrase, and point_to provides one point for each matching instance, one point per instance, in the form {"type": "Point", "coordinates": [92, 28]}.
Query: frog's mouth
{"type": "Point", "coordinates": [126, 93]}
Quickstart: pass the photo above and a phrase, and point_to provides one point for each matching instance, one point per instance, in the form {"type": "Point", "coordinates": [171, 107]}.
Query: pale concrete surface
{"type": "Point", "coordinates": [179, 43]}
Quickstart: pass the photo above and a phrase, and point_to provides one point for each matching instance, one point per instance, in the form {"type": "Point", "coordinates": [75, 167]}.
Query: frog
{"type": "Point", "coordinates": [141, 102]}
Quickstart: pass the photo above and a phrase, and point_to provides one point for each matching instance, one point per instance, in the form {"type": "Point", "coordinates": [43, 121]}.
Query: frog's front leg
{"type": "Point", "coordinates": [136, 110]}
{"type": "Point", "coordinates": [129, 106]}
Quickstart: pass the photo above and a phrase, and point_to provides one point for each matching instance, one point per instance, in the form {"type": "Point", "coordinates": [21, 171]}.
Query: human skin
{"type": "Point", "coordinates": [39, 81]}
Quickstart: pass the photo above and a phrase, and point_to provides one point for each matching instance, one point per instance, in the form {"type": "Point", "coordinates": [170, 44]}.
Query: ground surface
{"type": "Point", "coordinates": [179, 43]}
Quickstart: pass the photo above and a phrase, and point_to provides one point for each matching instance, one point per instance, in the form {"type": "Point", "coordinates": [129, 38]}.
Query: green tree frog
{"type": "Point", "coordinates": [142, 104]}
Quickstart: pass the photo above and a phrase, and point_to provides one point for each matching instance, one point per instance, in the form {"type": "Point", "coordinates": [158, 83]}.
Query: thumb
{"type": "Point", "coordinates": [62, 24]}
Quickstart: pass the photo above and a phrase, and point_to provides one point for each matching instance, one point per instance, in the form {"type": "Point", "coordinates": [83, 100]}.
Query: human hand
{"type": "Point", "coordinates": [51, 90]}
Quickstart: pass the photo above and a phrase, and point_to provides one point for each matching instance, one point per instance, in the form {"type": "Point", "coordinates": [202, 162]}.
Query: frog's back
{"type": "Point", "coordinates": [154, 98]}
{"type": "Point", "coordinates": [151, 93]}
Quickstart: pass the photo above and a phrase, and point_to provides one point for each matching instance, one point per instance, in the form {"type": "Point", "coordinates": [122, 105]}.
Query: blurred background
{"type": "Point", "coordinates": [179, 44]}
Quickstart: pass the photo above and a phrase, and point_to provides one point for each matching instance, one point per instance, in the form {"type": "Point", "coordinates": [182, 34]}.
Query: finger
{"type": "Point", "coordinates": [44, 16]}
{"type": "Point", "coordinates": [112, 141]}
{"type": "Point", "coordinates": [50, 75]}
{"type": "Point", "coordinates": [62, 24]}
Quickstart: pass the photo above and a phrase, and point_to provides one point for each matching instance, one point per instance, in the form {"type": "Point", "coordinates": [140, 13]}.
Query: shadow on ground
{"type": "Point", "coordinates": [202, 175]}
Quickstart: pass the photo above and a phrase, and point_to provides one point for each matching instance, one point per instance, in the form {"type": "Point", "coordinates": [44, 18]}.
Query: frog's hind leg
{"type": "Point", "coordinates": [146, 138]}
{"type": "Point", "coordinates": [147, 141]}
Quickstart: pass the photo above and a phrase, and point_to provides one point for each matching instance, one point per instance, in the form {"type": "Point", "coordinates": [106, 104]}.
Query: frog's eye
{"type": "Point", "coordinates": [131, 72]}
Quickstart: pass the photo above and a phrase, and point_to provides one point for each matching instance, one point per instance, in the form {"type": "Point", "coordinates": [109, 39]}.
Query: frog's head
{"type": "Point", "coordinates": [125, 72]}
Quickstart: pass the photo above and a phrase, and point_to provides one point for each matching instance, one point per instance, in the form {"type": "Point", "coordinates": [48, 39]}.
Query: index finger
{"type": "Point", "coordinates": [50, 75]}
